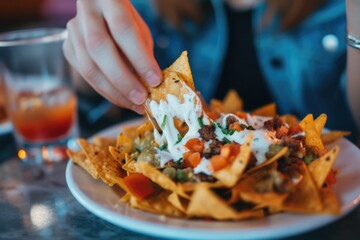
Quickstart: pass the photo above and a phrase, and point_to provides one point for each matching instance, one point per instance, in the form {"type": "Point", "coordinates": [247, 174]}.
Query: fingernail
{"type": "Point", "coordinates": [137, 97]}
{"type": "Point", "coordinates": [139, 109]}
{"type": "Point", "coordinates": [152, 78]}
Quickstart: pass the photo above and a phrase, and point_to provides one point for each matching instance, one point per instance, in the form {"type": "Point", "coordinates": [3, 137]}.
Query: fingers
{"type": "Point", "coordinates": [107, 58]}
{"type": "Point", "coordinates": [106, 40]}
{"type": "Point", "coordinates": [76, 53]}
{"type": "Point", "coordinates": [128, 36]}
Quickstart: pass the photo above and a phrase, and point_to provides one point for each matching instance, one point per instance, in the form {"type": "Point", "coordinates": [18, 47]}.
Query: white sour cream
{"type": "Point", "coordinates": [190, 110]}
{"type": "Point", "coordinates": [262, 138]}
{"type": "Point", "coordinates": [203, 167]}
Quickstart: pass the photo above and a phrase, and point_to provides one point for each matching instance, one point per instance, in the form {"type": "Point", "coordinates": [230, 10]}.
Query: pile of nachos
{"type": "Point", "coordinates": [193, 160]}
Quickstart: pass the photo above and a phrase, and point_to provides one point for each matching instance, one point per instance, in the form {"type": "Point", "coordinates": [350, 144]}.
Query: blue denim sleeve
{"type": "Point", "coordinates": [304, 67]}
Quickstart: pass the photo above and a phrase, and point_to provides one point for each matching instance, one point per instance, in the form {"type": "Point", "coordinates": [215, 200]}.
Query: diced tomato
{"type": "Point", "coordinates": [187, 154]}
{"type": "Point", "coordinates": [331, 178]}
{"type": "Point", "coordinates": [195, 145]}
{"type": "Point", "coordinates": [294, 129]}
{"type": "Point", "coordinates": [218, 162]}
{"type": "Point", "coordinates": [225, 151]}
{"type": "Point", "coordinates": [192, 160]}
{"type": "Point", "coordinates": [234, 149]}
{"type": "Point", "coordinates": [228, 151]}
{"type": "Point", "coordinates": [235, 126]}
{"type": "Point", "coordinates": [281, 132]}
{"type": "Point", "coordinates": [139, 185]}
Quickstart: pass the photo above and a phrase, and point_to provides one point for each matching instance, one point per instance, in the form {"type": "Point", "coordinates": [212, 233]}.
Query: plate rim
{"type": "Point", "coordinates": [152, 229]}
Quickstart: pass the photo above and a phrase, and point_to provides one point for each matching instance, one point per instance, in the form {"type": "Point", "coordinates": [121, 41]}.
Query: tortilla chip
{"type": "Point", "coordinates": [232, 102]}
{"type": "Point", "coordinates": [176, 83]}
{"type": "Point", "coordinates": [320, 122]}
{"type": "Point", "coordinates": [259, 188]}
{"type": "Point", "coordinates": [129, 165]}
{"type": "Point", "coordinates": [216, 106]}
{"type": "Point", "coordinates": [333, 136]}
{"type": "Point", "coordinates": [104, 141]}
{"type": "Point", "coordinates": [205, 203]}
{"type": "Point", "coordinates": [274, 210]}
{"type": "Point", "coordinates": [319, 168]}
{"type": "Point", "coordinates": [130, 132]}
{"type": "Point", "coordinates": [269, 110]}
{"type": "Point", "coordinates": [175, 78]}
{"type": "Point", "coordinates": [172, 84]}
{"type": "Point", "coordinates": [123, 145]}
{"type": "Point", "coordinates": [189, 187]}
{"type": "Point", "coordinates": [79, 158]}
{"type": "Point", "coordinates": [182, 66]}
{"type": "Point", "coordinates": [158, 204]}
{"type": "Point", "coordinates": [104, 164]}
{"type": "Point", "coordinates": [305, 196]}
{"type": "Point", "coordinates": [179, 203]}
{"type": "Point", "coordinates": [277, 156]}
{"type": "Point", "coordinates": [117, 155]}
{"type": "Point", "coordinates": [231, 174]}
{"type": "Point", "coordinates": [159, 178]}
{"type": "Point", "coordinates": [312, 136]}
{"type": "Point", "coordinates": [289, 119]}
{"type": "Point", "coordinates": [330, 202]}
{"type": "Point", "coordinates": [144, 128]}
{"type": "Point", "coordinates": [126, 198]}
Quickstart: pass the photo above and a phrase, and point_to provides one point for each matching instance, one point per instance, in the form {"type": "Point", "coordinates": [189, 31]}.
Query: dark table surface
{"type": "Point", "coordinates": [43, 207]}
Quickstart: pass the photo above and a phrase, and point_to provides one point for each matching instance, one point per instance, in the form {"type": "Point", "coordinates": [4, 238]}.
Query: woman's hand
{"type": "Point", "coordinates": [107, 42]}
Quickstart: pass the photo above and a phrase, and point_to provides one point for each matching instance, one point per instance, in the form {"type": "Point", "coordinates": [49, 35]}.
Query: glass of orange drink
{"type": "Point", "coordinates": [40, 99]}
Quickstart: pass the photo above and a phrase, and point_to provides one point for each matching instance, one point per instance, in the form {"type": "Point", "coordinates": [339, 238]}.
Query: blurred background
{"type": "Point", "coordinates": [17, 14]}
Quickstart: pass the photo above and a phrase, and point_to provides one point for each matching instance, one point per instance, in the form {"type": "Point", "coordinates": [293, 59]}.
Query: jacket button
{"type": "Point", "coordinates": [276, 63]}
{"type": "Point", "coordinates": [330, 42]}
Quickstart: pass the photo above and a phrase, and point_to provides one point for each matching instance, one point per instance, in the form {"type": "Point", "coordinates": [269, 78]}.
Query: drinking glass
{"type": "Point", "coordinates": [39, 96]}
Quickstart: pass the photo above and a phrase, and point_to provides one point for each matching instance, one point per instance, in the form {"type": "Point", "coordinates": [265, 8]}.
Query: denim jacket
{"type": "Point", "coordinates": [304, 68]}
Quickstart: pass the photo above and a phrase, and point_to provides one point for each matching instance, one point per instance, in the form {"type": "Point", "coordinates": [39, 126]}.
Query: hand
{"type": "Point", "coordinates": [107, 42]}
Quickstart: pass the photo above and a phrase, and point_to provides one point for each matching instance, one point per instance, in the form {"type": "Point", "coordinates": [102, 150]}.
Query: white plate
{"type": "Point", "coordinates": [103, 201]}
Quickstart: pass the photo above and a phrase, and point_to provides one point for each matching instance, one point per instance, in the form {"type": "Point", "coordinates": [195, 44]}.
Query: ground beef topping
{"type": "Point", "coordinates": [213, 149]}
{"type": "Point", "coordinates": [230, 120]}
{"type": "Point", "coordinates": [291, 143]}
{"type": "Point", "coordinates": [207, 132]}
{"type": "Point", "coordinates": [273, 124]}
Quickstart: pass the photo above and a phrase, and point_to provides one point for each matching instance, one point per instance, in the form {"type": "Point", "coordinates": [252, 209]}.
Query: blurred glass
{"type": "Point", "coordinates": [38, 90]}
